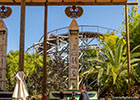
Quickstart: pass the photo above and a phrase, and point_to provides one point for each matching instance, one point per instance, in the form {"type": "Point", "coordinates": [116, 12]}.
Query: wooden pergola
{"type": "Point", "coordinates": [67, 2]}
{"type": "Point", "coordinates": [46, 3]}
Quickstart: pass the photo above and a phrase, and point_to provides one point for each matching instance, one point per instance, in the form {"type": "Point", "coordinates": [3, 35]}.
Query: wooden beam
{"type": "Point", "coordinates": [45, 50]}
{"type": "Point", "coordinates": [22, 34]}
{"type": "Point", "coordinates": [132, 3]}
{"type": "Point", "coordinates": [128, 49]}
{"type": "Point", "coordinates": [68, 3]}
{"type": "Point", "coordinates": [13, 0]}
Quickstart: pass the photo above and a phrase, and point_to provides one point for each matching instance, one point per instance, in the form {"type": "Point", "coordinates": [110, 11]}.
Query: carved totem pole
{"type": "Point", "coordinates": [4, 13]}
{"type": "Point", "coordinates": [3, 51]}
{"type": "Point", "coordinates": [74, 12]}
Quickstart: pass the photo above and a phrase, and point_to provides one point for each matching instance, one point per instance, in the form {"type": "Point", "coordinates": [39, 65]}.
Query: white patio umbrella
{"type": "Point", "coordinates": [20, 91]}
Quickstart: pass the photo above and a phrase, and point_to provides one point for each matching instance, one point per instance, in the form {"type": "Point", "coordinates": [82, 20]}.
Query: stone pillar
{"type": "Point", "coordinates": [73, 55]}
{"type": "Point", "coordinates": [3, 54]}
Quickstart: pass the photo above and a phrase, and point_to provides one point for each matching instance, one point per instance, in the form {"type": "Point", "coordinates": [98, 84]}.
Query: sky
{"type": "Point", "coordinates": [107, 16]}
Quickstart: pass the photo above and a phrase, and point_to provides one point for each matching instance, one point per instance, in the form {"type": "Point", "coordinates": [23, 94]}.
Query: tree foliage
{"type": "Point", "coordinates": [111, 67]}
{"type": "Point", "coordinates": [57, 75]}
{"type": "Point", "coordinates": [33, 68]}
{"type": "Point", "coordinates": [134, 26]}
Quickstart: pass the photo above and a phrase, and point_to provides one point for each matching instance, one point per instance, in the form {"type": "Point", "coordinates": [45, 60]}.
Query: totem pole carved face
{"type": "Point", "coordinates": [5, 12]}
{"type": "Point", "coordinates": [74, 11]}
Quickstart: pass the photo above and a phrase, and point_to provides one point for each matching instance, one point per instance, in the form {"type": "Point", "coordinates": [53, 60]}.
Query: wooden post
{"type": "Point", "coordinates": [74, 54]}
{"type": "Point", "coordinates": [128, 49]}
{"type": "Point", "coordinates": [45, 49]}
{"type": "Point", "coordinates": [22, 33]}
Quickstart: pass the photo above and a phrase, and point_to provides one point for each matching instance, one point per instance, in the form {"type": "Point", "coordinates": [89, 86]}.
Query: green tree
{"type": "Point", "coordinates": [57, 73]}
{"type": "Point", "coordinates": [32, 68]}
{"type": "Point", "coordinates": [111, 68]}
{"type": "Point", "coordinates": [11, 69]}
{"type": "Point", "coordinates": [57, 76]}
{"type": "Point", "coordinates": [134, 26]}
{"type": "Point", "coordinates": [84, 65]}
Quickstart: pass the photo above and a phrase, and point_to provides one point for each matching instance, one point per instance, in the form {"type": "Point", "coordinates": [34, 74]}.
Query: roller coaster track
{"type": "Point", "coordinates": [58, 41]}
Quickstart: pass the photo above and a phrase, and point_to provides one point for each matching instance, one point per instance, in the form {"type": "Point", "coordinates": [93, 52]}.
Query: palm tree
{"type": "Point", "coordinates": [111, 68]}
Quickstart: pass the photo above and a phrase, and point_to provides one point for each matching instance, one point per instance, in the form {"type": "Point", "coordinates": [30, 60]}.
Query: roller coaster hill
{"type": "Point", "coordinates": [58, 41]}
